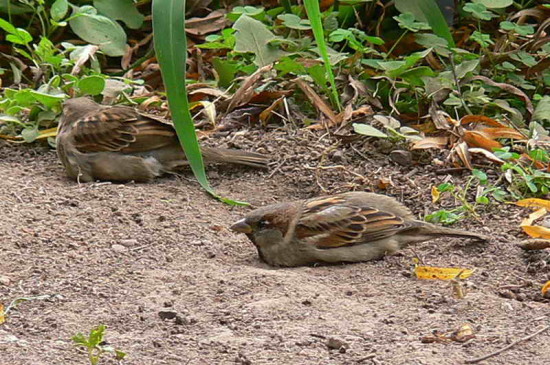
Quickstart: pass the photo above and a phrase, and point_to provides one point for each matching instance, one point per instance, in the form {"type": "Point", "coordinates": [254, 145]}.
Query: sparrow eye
{"type": "Point", "coordinates": [263, 224]}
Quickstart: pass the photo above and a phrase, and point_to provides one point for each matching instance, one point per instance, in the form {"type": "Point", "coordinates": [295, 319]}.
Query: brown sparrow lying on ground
{"type": "Point", "coordinates": [349, 227]}
{"type": "Point", "coordinates": [118, 143]}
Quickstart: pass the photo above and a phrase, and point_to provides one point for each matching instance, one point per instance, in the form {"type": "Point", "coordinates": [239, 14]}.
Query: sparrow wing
{"type": "Point", "coordinates": [121, 129]}
{"type": "Point", "coordinates": [333, 222]}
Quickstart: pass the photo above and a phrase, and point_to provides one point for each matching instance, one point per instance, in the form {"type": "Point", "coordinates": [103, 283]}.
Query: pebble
{"type": "Point", "coordinates": [129, 242]}
{"type": "Point", "coordinates": [337, 344]}
{"type": "Point", "coordinates": [4, 280]}
{"type": "Point", "coordinates": [118, 248]}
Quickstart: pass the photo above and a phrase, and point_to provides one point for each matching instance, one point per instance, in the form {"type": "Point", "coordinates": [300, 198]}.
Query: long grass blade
{"type": "Point", "coordinates": [171, 50]}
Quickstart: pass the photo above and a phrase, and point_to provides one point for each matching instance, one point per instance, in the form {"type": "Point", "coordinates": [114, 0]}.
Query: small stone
{"type": "Point", "coordinates": [129, 242]}
{"type": "Point", "coordinates": [118, 248]}
{"type": "Point", "coordinates": [167, 314]}
{"type": "Point", "coordinates": [337, 344]}
{"type": "Point", "coordinates": [403, 158]}
{"type": "Point", "coordinates": [338, 156]}
{"type": "Point", "coordinates": [4, 280]}
{"type": "Point", "coordinates": [213, 175]}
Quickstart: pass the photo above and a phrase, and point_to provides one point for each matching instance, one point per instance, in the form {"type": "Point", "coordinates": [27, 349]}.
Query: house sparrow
{"type": "Point", "coordinates": [348, 227]}
{"type": "Point", "coordinates": [118, 143]}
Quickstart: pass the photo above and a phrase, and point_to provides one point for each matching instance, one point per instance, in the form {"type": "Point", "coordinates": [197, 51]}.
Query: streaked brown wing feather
{"type": "Point", "coordinates": [120, 129]}
{"type": "Point", "coordinates": [331, 222]}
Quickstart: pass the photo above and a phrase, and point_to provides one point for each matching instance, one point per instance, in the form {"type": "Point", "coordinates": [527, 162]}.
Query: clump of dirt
{"type": "Point", "coordinates": [157, 264]}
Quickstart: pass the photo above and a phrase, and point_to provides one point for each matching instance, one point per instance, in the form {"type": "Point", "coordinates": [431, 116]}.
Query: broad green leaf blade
{"type": "Point", "coordinates": [171, 50]}
{"type": "Point", "coordinates": [253, 36]}
{"type": "Point", "coordinates": [428, 10]}
{"type": "Point", "coordinates": [100, 30]}
{"type": "Point", "coordinates": [123, 10]}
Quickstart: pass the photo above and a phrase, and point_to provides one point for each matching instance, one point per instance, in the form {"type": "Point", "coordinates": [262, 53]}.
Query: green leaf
{"type": "Point", "coordinates": [428, 40]}
{"type": "Point", "coordinates": [80, 339]}
{"type": "Point", "coordinates": [443, 216]}
{"type": "Point", "coordinates": [91, 85]}
{"type": "Point", "coordinates": [294, 22]}
{"type": "Point", "coordinates": [96, 335]}
{"type": "Point", "coordinates": [171, 50]}
{"type": "Point", "coordinates": [482, 200]}
{"type": "Point", "coordinates": [480, 175]}
{"type": "Point", "coordinates": [99, 30]}
{"type": "Point", "coordinates": [407, 21]}
{"type": "Point", "coordinates": [59, 9]}
{"type": "Point", "coordinates": [445, 187]}
{"type": "Point", "coordinates": [29, 134]}
{"type": "Point", "coordinates": [119, 354]}
{"type": "Point", "coordinates": [479, 11]}
{"type": "Point", "coordinates": [253, 36]}
{"type": "Point", "coordinates": [250, 11]}
{"type": "Point", "coordinates": [465, 67]}
{"type": "Point", "coordinates": [123, 10]}
{"type": "Point", "coordinates": [368, 130]}
{"type": "Point", "coordinates": [226, 71]}
{"type": "Point", "coordinates": [16, 35]}
{"type": "Point", "coordinates": [522, 30]}
{"type": "Point", "coordinates": [51, 100]}
{"type": "Point", "coordinates": [288, 65]}
{"type": "Point", "coordinates": [542, 111]}
{"type": "Point", "coordinates": [495, 4]}
{"type": "Point", "coordinates": [428, 11]}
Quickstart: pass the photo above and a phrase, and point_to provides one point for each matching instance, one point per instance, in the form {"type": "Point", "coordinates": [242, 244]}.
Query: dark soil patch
{"type": "Point", "coordinates": [125, 255]}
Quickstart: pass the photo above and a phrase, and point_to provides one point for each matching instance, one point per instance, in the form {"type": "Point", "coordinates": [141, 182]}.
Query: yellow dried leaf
{"type": "Point", "coordinates": [534, 203]}
{"type": "Point", "coordinates": [533, 217]}
{"type": "Point", "coordinates": [45, 133]}
{"type": "Point", "coordinates": [463, 334]}
{"type": "Point", "coordinates": [546, 290]}
{"type": "Point", "coordinates": [436, 194]}
{"type": "Point", "coordinates": [442, 273]}
{"type": "Point", "coordinates": [2, 314]}
{"type": "Point", "coordinates": [537, 231]}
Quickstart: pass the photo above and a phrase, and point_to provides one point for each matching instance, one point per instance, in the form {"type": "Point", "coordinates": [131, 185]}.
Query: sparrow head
{"type": "Point", "coordinates": [79, 105]}
{"type": "Point", "coordinates": [267, 225]}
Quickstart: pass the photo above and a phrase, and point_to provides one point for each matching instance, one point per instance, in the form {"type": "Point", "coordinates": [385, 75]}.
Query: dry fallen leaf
{"type": "Point", "coordinates": [431, 142]}
{"type": "Point", "coordinates": [535, 231]}
{"type": "Point", "coordinates": [503, 133]}
{"type": "Point", "coordinates": [481, 119]}
{"type": "Point", "coordinates": [268, 112]}
{"type": "Point", "coordinates": [436, 194]}
{"type": "Point", "coordinates": [318, 103]}
{"type": "Point", "coordinates": [2, 314]}
{"type": "Point", "coordinates": [480, 139]}
{"type": "Point", "coordinates": [442, 273]}
{"type": "Point", "coordinates": [246, 91]}
{"type": "Point", "coordinates": [546, 290]}
{"type": "Point", "coordinates": [463, 334]}
{"type": "Point", "coordinates": [534, 203]}
{"type": "Point", "coordinates": [384, 182]}
{"type": "Point", "coordinates": [463, 153]}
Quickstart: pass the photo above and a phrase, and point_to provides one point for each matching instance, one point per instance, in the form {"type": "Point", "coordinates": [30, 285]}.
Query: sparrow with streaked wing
{"type": "Point", "coordinates": [119, 143]}
{"type": "Point", "coordinates": [350, 227]}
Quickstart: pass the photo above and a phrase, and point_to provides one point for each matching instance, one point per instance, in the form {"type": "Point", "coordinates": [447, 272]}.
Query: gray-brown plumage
{"type": "Point", "coordinates": [118, 143]}
{"type": "Point", "coordinates": [349, 227]}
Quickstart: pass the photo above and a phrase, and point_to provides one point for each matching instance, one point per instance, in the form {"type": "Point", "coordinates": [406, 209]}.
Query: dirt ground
{"type": "Point", "coordinates": [157, 265]}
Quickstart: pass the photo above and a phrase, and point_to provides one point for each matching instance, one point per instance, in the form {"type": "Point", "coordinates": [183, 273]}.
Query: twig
{"type": "Point", "coordinates": [485, 357]}
{"type": "Point", "coordinates": [276, 169]}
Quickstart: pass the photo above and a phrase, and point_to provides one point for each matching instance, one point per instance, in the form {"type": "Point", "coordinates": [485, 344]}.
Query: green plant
{"type": "Point", "coordinates": [484, 192]}
{"type": "Point", "coordinates": [95, 346]}
{"type": "Point", "coordinates": [525, 179]}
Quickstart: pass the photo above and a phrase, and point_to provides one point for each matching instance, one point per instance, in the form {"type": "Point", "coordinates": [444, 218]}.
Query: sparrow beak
{"type": "Point", "coordinates": [241, 227]}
